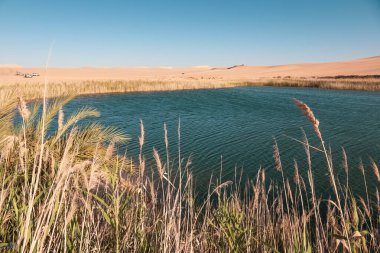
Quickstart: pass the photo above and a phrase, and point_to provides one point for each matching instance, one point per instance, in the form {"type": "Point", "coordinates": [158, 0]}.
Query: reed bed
{"type": "Point", "coordinates": [32, 91]}
{"type": "Point", "coordinates": [366, 84]}
{"type": "Point", "coordinates": [68, 190]}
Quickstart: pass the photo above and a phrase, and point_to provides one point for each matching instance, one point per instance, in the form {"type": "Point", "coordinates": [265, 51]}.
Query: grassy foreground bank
{"type": "Point", "coordinates": [35, 90]}
{"type": "Point", "coordinates": [70, 191]}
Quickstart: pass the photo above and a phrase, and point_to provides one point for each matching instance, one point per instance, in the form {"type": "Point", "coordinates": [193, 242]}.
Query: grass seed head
{"type": "Point", "coordinates": [345, 162]}
{"type": "Point", "coordinates": [296, 177]}
{"type": "Point", "coordinates": [61, 117]}
{"type": "Point", "coordinates": [375, 170]}
{"type": "Point", "coordinates": [276, 156]}
{"type": "Point", "coordinates": [310, 116]}
{"type": "Point", "coordinates": [160, 169]}
{"type": "Point", "coordinates": [142, 134]}
{"type": "Point", "coordinates": [23, 109]}
{"type": "Point", "coordinates": [110, 150]}
{"type": "Point", "coordinates": [166, 136]}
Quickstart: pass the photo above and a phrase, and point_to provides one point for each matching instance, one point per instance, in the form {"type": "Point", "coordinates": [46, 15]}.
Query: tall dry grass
{"type": "Point", "coordinates": [365, 84]}
{"type": "Point", "coordinates": [32, 91]}
{"type": "Point", "coordinates": [71, 192]}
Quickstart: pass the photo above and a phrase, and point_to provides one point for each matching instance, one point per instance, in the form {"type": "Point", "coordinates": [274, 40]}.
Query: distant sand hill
{"type": "Point", "coordinates": [365, 66]}
{"type": "Point", "coordinates": [10, 66]}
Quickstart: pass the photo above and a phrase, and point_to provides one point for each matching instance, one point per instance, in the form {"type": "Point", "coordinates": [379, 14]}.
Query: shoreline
{"type": "Point", "coordinates": [358, 75]}
{"type": "Point", "coordinates": [95, 87]}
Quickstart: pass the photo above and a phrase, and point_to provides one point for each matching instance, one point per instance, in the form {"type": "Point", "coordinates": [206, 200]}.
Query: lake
{"type": "Point", "coordinates": [233, 129]}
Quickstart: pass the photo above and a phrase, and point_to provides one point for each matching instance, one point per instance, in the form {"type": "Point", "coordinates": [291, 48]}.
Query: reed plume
{"type": "Point", "coordinates": [375, 170]}
{"type": "Point", "coordinates": [73, 208]}
{"type": "Point", "coordinates": [276, 156]}
{"type": "Point", "coordinates": [109, 151]}
{"type": "Point", "coordinates": [23, 109]}
{"type": "Point", "coordinates": [61, 118]}
{"type": "Point", "coordinates": [296, 176]}
{"type": "Point", "coordinates": [7, 148]}
{"type": "Point", "coordinates": [309, 115]}
{"type": "Point", "coordinates": [166, 137]}
{"type": "Point", "coordinates": [160, 169]}
{"type": "Point", "coordinates": [142, 134]}
{"type": "Point", "coordinates": [345, 161]}
{"type": "Point", "coordinates": [263, 176]}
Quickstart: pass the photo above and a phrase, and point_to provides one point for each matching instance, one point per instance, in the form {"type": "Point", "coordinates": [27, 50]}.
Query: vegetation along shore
{"type": "Point", "coordinates": [34, 90]}
{"type": "Point", "coordinates": [72, 191]}
{"type": "Point", "coordinates": [360, 74]}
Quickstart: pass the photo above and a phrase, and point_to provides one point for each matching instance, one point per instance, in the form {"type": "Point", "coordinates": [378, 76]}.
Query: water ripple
{"type": "Point", "coordinates": [238, 126]}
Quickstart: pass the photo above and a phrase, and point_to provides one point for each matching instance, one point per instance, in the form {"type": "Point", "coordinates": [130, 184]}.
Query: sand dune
{"type": "Point", "coordinates": [10, 66]}
{"type": "Point", "coordinates": [365, 66]}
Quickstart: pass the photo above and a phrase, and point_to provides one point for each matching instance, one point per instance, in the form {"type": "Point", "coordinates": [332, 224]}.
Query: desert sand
{"type": "Point", "coordinates": [365, 66]}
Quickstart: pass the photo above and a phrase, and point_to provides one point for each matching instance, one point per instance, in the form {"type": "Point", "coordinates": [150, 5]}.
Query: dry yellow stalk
{"type": "Point", "coordinates": [296, 177]}
{"type": "Point", "coordinates": [310, 116]}
{"type": "Point", "coordinates": [289, 190]}
{"type": "Point", "coordinates": [158, 163]}
{"type": "Point", "coordinates": [365, 207]}
{"type": "Point", "coordinates": [361, 167]}
{"type": "Point", "coordinates": [263, 176]}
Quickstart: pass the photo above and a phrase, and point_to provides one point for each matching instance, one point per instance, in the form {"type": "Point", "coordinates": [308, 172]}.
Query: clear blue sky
{"type": "Point", "coordinates": [187, 32]}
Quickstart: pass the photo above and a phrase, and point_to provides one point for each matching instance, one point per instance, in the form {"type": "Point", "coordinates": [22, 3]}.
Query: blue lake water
{"type": "Point", "coordinates": [233, 129]}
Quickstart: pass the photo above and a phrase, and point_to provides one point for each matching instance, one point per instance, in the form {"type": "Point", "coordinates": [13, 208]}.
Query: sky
{"type": "Point", "coordinates": [181, 33]}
